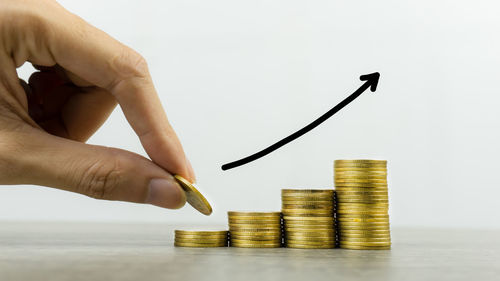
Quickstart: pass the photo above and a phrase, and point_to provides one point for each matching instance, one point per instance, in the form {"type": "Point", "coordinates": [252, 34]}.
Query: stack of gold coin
{"type": "Point", "coordinates": [362, 204]}
{"type": "Point", "coordinates": [255, 229]}
{"type": "Point", "coordinates": [201, 239]}
{"type": "Point", "coordinates": [308, 218]}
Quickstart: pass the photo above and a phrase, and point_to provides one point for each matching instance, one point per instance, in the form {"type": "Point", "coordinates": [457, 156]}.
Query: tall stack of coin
{"type": "Point", "coordinates": [255, 229]}
{"type": "Point", "coordinates": [201, 239]}
{"type": "Point", "coordinates": [308, 218]}
{"type": "Point", "coordinates": [362, 204]}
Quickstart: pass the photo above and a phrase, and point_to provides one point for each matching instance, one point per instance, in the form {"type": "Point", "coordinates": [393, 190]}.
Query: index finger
{"type": "Point", "coordinates": [103, 61]}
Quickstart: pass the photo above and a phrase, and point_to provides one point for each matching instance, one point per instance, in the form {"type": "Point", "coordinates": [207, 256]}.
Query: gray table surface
{"type": "Point", "coordinates": [89, 251]}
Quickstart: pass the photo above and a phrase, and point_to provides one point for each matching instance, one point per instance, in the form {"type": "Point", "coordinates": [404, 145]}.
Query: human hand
{"type": "Point", "coordinates": [83, 74]}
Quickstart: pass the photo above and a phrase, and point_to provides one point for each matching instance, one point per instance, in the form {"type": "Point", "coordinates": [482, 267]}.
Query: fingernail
{"type": "Point", "coordinates": [166, 193]}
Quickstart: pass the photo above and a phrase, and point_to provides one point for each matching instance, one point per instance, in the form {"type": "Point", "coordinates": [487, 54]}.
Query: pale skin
{"type": "Point", "coordinates": [83, 74]}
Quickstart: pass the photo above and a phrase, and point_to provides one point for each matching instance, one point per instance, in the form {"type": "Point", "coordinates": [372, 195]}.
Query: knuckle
{"type": "Point", "coordinates": [101, 179]}
{"type": "Point", "coordinates": [129, 64]}
{"type": "Point", "coordinates": [131, 70]}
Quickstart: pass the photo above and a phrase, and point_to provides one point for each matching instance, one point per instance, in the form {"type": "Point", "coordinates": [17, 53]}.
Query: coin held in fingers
{"type": "Point", "coordinates": [194, 197]}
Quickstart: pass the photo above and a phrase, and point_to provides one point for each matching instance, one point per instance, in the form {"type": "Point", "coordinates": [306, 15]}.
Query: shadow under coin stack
{"type": "Point", "coordinates": [201, 239]}
{"type": "Point", "coordinates": [255, 229]}
{"type": "Point", "coordinates": [362, 204]}
{"type": "Point", "coordinates": [308, 218]}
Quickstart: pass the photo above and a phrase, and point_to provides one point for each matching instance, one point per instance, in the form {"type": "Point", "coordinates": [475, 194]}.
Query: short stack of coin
{"type": "Point", "coordinates": [201, 239]}
{"type": "Point", "coordinates": [362, 204]}
{"type": "Point", "coordinates": [255, 229]}
{"type": "Point", "coordinates": [308, 218]}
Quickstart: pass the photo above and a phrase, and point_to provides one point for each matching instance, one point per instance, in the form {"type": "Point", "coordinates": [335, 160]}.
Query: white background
{"type": "Point", "coordinates": [236, 76]}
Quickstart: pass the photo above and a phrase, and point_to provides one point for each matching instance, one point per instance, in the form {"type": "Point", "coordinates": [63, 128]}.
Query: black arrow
{"type": "Point", "coordinates": [371, 82]}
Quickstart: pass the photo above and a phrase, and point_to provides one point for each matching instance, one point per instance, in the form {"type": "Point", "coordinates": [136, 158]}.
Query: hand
{"type": "Point", "coordinates": [83, 74]}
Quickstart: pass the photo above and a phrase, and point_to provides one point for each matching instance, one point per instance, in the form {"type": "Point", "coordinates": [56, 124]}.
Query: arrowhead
{"type": "Point", "coordinates": [371, 79]}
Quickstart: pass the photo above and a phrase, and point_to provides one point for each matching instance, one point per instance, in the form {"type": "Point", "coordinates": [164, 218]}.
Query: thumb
{"type": "Point", "coordinates": [96, 171]}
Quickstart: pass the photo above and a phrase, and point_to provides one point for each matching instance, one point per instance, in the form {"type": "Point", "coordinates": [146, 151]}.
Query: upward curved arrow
{"type": "Point", "coordinates": [371, 82]}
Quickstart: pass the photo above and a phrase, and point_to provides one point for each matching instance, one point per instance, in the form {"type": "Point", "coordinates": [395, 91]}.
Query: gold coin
{"type": "Point", "coordinates": [363, 223]}
{"type": "Point", "coordinates": [303, 231]}
{"type": "Point", "coordinates": [351, 225]}
{"type": "Point", "coordinates": [307, 219]}
{"type": "Point", "coordinates": [362, 200]}
{"type": "Point", "coordinates": [354, 212]}
{"type": "Point", "coordinates": [365, 239]}
{"type": "Point", "coordinates": [254, 214]}
{"type": "Point", "coordinates": [311, 242]}
{"type": "Point", "coordinates": [342, 229]}
{"type": "Point", "coordinates": [360, 163]}
{"type": "Point", "coordinates": [310, 235]}
{"type": "Point", "coordinates": [201, 238]}
{"type": "Point", "coordinates": [307, 191]}
{"type": "Point", "coordinates": [342, 210]}
{"type": "Point", "coordinates": [370, 193]}
{"type": "Point", "coordinates": [351, 247]}
{"type": "Point", "coordinates": [310, 230]}
{"type": "Point", "coordinates": [362, 220]}
{"type": "Point", "coordinates": [364, 232]}
{"type": "Point", "coordinates": [307, 211]}
{"type": "Point", "coordinates": [311, 239]}
{"type": "Point", "coordinates": [323, 229]}
{"type": "Point", "coordinates": [269, 229]}
{"type": "Point", "coordinates": [308, 200]}
{"type": "Point", "coordinates": [362, 190]}
{"type": "Point", "coordinates": [187, 236]}
{"type": "Point", "coordinates": [361, 185]}
{"type": "Point", "coordinates": [307, 208]}
{"type": "Point", "coordinates": [194, 197]}
{"type": "Point", "coordinates": [289, 243]}
{"type": "Point", "coordinates": [354, 172]}
{"type": "Point", "coordinates": [256, 233]}
{"type": "Point", "coordinates": [201, 233]}
{"type": "Point", "coordinates": [357, 180]}
{"type": "Point", "coordinates": [236, 240]}
{"type": "Point", "coordinates": [255, 219]}
{"type": "Point", "coordinates": [360, 205]}
{"type": "Point", "coordinates": [358, 170]}
{"type": "Point", "coordinates": [302, 198]}
{"type": "Point", "coordinates": [258, 238]}
{"type": "Point", "coordinates": [363, 196]}
{"type": "Point", "coordinates": [329, 221]}
{"type": "Point", "coordinates": [309, 226]}
{"type": "Point", "coordinates": [198, 245]}
{"type": "Point", "coordinates": [309, 246]}
{"type": "Point", "coordinates": [256, 246]}
{"type": "Point", "coordinates": [254, 222]}
{"type": "Point", "coordinates": [310, 197]}
{"type": "Point", "coordinates": [362, 216]}
{"type": "Point", "coordinates": [369, 235]}
{"type": "Point", "coordinates": [201, 241]}
{"type": "Point", "coordinates": [307, 205]}
{"type": "Point", "coordinates": [361, 168]}
{"type": "Point", "coordinates": [311, 209]}
{"type": "Point", "coordinates": [384, 243]}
